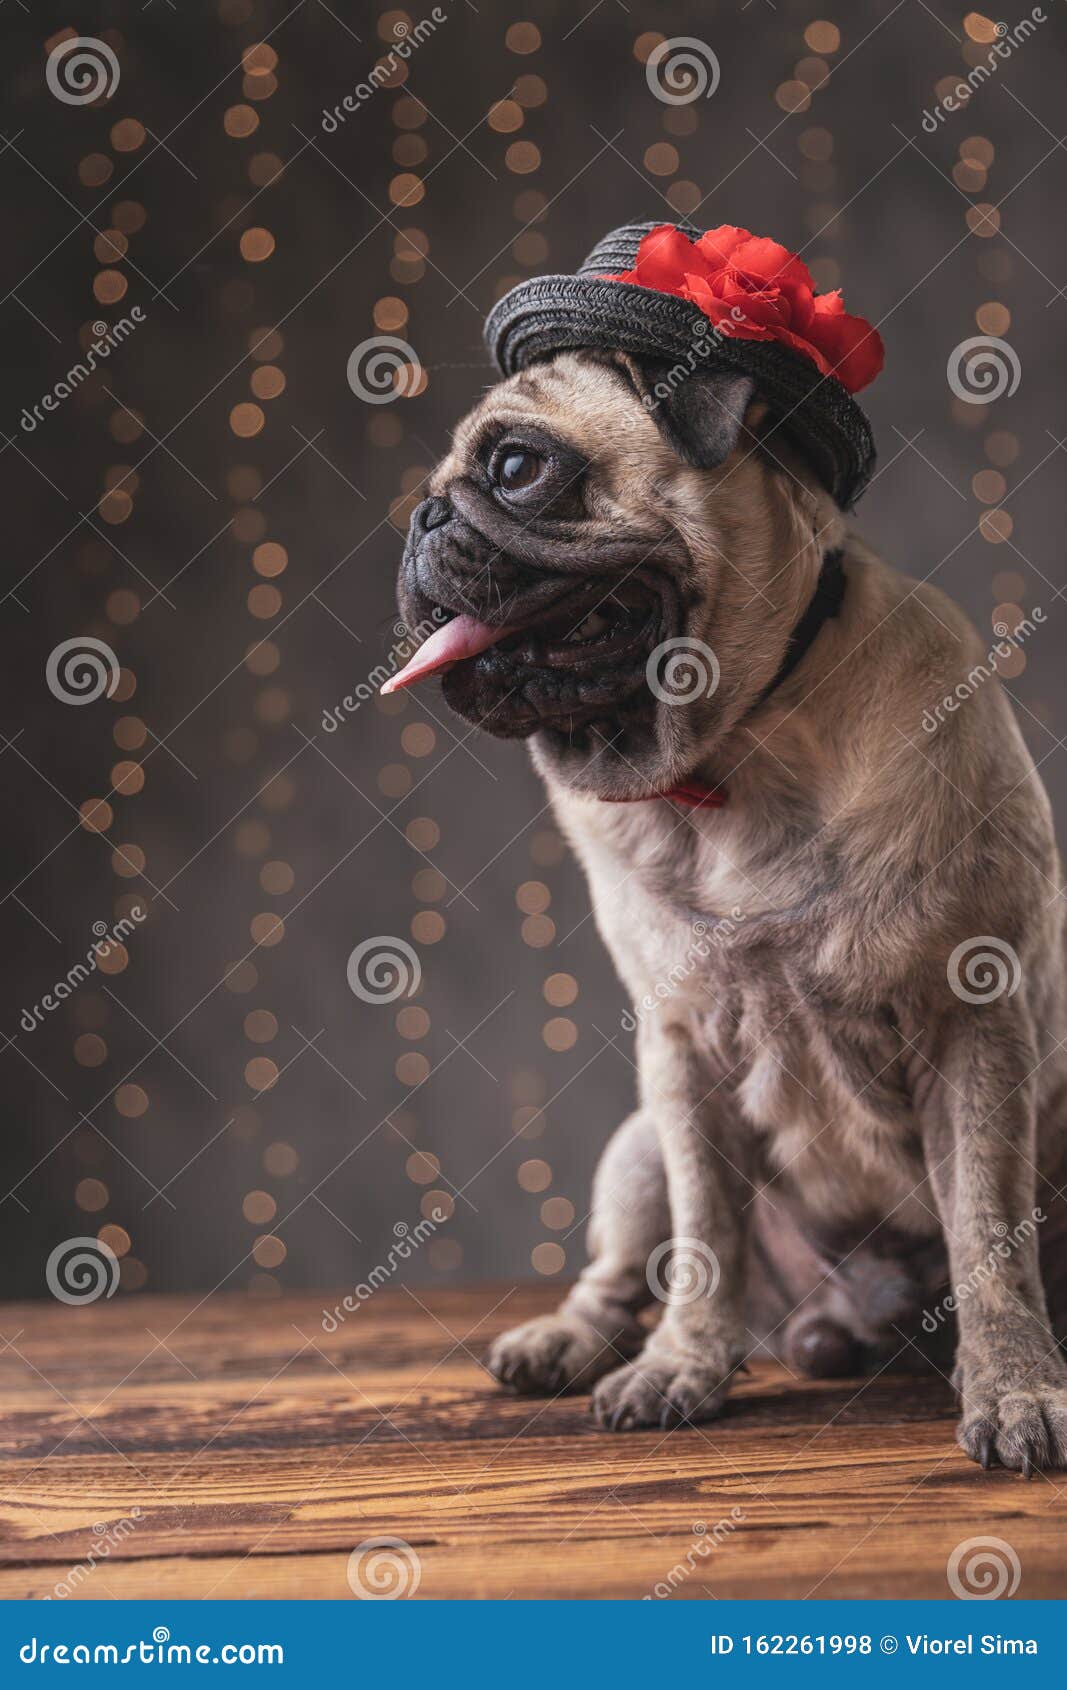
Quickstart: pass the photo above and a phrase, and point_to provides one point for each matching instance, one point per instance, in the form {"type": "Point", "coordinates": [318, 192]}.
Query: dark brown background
{"type": "Point", "coordinates": [140, 1081]}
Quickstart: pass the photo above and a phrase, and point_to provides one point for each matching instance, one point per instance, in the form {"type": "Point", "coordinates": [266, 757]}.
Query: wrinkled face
{"type": "Point", "coordinates": [566, 542]}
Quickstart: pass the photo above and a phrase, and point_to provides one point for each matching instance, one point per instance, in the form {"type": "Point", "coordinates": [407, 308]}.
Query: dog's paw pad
{"type": "Point", "coordinates": [653, 1394]}
{"type": "Point", "coordinates": [1023, 1429]}
{"type": "Point", "coordinates": [551, 1354]}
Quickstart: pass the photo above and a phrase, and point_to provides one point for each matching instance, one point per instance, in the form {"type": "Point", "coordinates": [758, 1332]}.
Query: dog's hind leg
{"type": "Point", "coordinates": [833, 1306]}
{"type": "Point", "coordinates": [794, 1311]}
{"type": "Point", "coordinates": [596, 1327]}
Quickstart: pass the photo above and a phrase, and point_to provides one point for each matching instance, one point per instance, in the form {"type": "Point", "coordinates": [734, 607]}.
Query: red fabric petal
{"type": "Point", "coordinates": [782, 337]}
{"type": "Point", "coordinates": [663, 258]}
{"type": "Point", "coordinates": [768, 306]}
{"type": "Point", "coordinates": [760, 256]}
{"type": "Point", "coordinates": [717, 246]}
{"type": "Point", "coordinates": [742, 328]}
{"type": "Point", "coordinates": [829, 304]}
{"type": "Point", "coordinates": [702, 294]}
{"type": "Point", "coordinates": [800, 343]}
{"type": "Point", "coordinates": [772, 265]}
{"type": "Point", "coordinates": [853, 349]}
{"type": "Point", "coordinates": [752, 288]}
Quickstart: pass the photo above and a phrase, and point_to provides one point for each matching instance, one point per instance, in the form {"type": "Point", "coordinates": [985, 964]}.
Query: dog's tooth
{"type": "Point", "coordinates": [591, 628]}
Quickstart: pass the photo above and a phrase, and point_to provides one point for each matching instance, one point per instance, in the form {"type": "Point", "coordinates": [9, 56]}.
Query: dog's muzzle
{"type": "Point", "coordinates": [522, 644]}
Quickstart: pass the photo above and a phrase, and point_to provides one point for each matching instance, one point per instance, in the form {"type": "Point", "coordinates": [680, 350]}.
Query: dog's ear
{"type": "Point", "coordinates": [700, 414]}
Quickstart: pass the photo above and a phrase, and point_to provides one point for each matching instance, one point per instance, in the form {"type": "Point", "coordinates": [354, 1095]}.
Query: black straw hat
{"type": "Point", "coordinates": [590, 311]}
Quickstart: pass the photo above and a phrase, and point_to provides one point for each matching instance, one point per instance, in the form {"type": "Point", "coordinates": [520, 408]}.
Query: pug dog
{"type": "Point", "coordinates": [841, 933]}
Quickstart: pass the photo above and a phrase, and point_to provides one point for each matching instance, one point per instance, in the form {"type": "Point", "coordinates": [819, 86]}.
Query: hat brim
{"type": "Point", "coordinates": [551, 314]}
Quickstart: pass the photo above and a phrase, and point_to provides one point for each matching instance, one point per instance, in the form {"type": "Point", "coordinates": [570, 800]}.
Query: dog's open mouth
{"type": "Point", "coordinates": [592, 635]}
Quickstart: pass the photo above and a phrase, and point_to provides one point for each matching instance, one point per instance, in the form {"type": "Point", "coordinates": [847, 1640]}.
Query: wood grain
{"type": "Point", "coordinates": [250, 1451]}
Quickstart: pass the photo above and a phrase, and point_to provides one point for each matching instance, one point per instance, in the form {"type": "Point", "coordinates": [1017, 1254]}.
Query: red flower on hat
{"type": "Point", "coordinates": [750, 288]}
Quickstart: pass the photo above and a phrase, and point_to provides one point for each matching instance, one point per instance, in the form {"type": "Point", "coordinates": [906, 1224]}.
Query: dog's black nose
{"type": "Point", "coordinates": [432, 513]}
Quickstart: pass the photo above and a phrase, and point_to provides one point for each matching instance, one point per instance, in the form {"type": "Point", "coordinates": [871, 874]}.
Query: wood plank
{"type": "Point", "coordinates": [250, 1452]}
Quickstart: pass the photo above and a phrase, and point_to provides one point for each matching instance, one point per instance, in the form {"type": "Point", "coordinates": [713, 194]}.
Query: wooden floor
{"type": "Point", "coordinates": [155, 1448]}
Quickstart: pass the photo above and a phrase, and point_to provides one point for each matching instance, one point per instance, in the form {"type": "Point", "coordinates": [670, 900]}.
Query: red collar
{"type": "Point", "coordinates": [693, 794]}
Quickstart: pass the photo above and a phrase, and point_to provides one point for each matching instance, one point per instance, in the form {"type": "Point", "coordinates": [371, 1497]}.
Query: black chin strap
{"type": "Point", "coordinates": [824, 604]}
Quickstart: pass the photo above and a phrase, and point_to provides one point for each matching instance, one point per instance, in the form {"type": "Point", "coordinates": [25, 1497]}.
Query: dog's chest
{"type": "Point", "coordinates": [824, 1091]}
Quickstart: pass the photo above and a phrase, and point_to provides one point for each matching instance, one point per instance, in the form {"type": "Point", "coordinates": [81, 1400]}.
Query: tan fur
{"type": "Point", "coordinates": [813, 1094]}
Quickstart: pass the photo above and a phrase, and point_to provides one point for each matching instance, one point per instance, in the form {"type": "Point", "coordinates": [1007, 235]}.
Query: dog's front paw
{"type": "Point", "coordinates": [556, 1352]}
{"type": "Point", "coordinates": [663, 1387]}
{"type": "Point", "coordinates": [1022, 1427]}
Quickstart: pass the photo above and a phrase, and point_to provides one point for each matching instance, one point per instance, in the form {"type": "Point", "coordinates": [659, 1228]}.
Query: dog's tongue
{"type": "Point", "coordinates": [460, 638]}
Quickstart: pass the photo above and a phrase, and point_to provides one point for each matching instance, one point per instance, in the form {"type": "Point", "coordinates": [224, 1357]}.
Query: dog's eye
{"type": "Point", "coordinates": [517, 469]}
